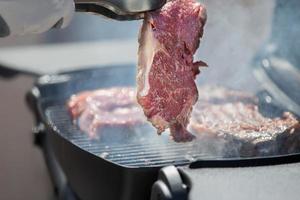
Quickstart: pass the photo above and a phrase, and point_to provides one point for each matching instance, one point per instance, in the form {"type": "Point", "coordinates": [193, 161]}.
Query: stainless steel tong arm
{"type": "Point", "coordinates": [119, 9]}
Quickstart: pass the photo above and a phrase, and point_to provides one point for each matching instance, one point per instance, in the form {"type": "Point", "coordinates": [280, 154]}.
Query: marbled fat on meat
{"type": "Point", "coordinates": [166, 76]}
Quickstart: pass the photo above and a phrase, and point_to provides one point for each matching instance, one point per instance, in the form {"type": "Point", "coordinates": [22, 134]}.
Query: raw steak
{"type": "Point", "coordinates": [168, 40]}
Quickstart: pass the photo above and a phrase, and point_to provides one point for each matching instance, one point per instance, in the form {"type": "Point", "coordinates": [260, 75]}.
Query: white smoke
{"type": "Point", "coordinates": [234, 32]}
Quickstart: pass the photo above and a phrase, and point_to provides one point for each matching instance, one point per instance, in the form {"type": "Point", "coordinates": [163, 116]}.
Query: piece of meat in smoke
{"type": "Point", "coordinates": [112, 110]}
{"type": "Point", "coordinates": [166, 76]}
{"type": "Point", "coordinates": [233, 118]}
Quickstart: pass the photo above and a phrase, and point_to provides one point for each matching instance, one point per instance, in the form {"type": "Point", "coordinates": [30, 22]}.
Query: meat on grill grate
{"type": "Point", "coordinates": [115, 109]}
{"type": "Point", "coordinates": [221, 116]}
{"type": "Point", "coordinates": [221, 113]}
{"type": "Point", "coordinates": [168, 40]}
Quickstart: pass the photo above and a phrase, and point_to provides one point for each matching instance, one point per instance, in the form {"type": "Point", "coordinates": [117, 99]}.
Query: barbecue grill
{"type": "Point", "coordinates": [143, 167]}
{"type": "Point", "coordinates": [153, 167]}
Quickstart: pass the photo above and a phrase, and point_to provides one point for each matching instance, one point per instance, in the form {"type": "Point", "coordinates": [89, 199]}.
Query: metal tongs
{"type": "Point", "coordinates": [119, 9]}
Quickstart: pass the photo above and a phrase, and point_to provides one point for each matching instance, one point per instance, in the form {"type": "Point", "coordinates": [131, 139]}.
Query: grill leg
{"type": "Point", "coordinates": [61, 186]}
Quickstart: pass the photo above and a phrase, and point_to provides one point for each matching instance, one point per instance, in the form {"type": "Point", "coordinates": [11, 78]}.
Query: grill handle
{"type": "Point", "coordinates": [169, 186]}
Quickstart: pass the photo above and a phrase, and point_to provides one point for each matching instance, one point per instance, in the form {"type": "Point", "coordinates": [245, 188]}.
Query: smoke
{"type": "Point", "coordinates": [234, 32]}
{"type": "Point", "coordinates": [286, 30]}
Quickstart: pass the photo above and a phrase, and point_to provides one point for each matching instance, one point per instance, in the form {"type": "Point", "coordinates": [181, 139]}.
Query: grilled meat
{"type": "Point", "coordinates": [166, 70]}
{"type": "Point", "coordinates": [234, 115]}
{"type": "Point", "coordinates": [112, 109]}
{"type": "Point", "coordinates": [221, 117]}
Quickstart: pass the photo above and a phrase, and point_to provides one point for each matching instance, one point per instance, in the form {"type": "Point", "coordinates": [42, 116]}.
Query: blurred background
{"type": "Point", "coordinates": [235, 30]}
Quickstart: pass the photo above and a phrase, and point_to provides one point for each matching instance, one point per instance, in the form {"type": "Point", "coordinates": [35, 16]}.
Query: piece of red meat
{"type": "Point", "coordinates": [113, 109]}
{"type": "Point", "coordinates": [166, 76]}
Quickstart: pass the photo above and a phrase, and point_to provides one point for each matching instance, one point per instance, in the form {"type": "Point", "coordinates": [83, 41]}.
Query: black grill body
{"type": "Point", "coordinates": [132, 167]}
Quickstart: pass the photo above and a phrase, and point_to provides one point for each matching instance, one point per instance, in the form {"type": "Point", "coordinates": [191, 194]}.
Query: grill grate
{"type": "Point", "coordinates": [144, 152]}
